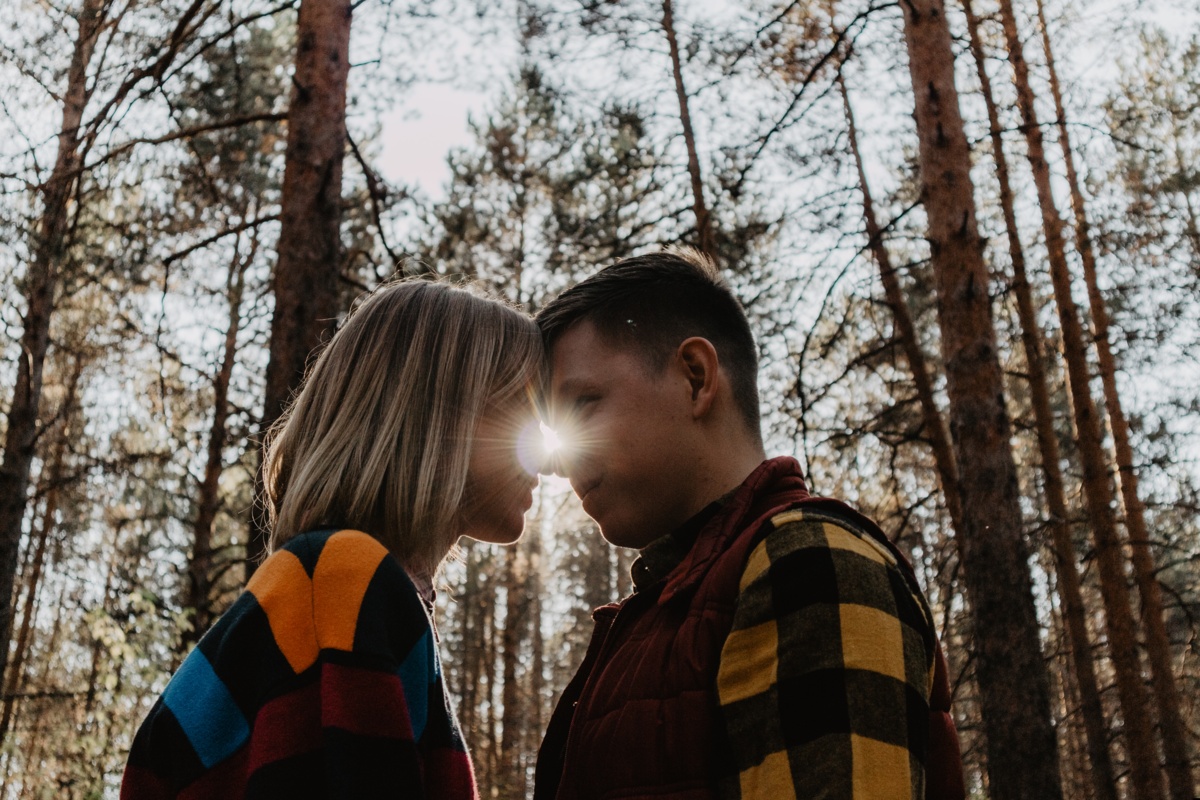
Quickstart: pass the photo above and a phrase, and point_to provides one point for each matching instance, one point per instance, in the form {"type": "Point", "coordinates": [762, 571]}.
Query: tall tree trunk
{"type": "Point", "coordinates": [516, 622]}
{"type": "Point", "coordinates": [1158, 645]}
{"type": "Point", "coordinates": [598, 578]}
{"type": "Point", "coordinates": [305, 283]}
{"type": "Point", "coordinates": [1103, 777]}
{"type": "Point", "coordinates": [935, 428]}
{"type": "Point", "coordinates": [1022, 748]}
{"type": "Point", "coordinates": [1077, 781]}
{"type": "Point", "coordinates": [209, 501]}
{"type": "Point", "coordinates": [537, 665]}
{"type": "Point", "coordinates": [471, 643]}
{"type": "Point", "coordinates": [704, 228]}
{"type": "Point", "coordinates": [1122, 635]}
{"type": "Point", "coordinates": [16, 668]}
{"type": "Point", "coordinates": [491, 633]}
{"type": "Point", "coordinates": [41, 279]}
{"type": "Point", "coordinates": [33, 750]}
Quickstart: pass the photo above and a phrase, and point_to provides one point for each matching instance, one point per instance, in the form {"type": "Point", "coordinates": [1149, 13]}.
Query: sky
{"type": "Point", "coordinates": [415, 139]}
{"type": "Point", "coordinates": [434, 116]}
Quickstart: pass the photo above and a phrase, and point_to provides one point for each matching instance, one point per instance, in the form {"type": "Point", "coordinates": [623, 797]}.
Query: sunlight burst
{"type": "Point", "coordinates": [550, 438]}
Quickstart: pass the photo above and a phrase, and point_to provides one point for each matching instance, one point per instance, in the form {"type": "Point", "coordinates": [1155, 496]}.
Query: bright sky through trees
{"type": "Point", "coordinates": [144, 445]}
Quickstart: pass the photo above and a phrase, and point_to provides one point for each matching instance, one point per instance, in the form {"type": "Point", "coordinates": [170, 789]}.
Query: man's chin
{"type": "Point", "coordinates": [620, 535]}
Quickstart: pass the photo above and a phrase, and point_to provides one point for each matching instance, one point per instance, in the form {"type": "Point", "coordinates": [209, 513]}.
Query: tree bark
{"type": "Point", "coordinates": [1145, 775]}
{"type": "Point", "coordinates": [537, 666]}
{"type": "Point", "coordinates": [511, 783]}
{"type": "Point", "coordinates": [1158, 644]}
{"type": "Point", "coordinates": [935, 428]}
{"type": "Point", "coordinates": [704, 227]}
{"type": "Point", "coordinates": [470, 645]}
{"type": "Point", "coordinates": [1022, 748]}
{"type": "Point", "coordinates": [1075, 613]}
{"type": "Point", "coordinates": [50, 249]}
{"type": "Point", "coordinates": [16, 668]}
{"type": "Point", "coordinates": [491, 719]}
{"type": "Point", "coordinates": [209, 500]}
{"type": "Point", "coordinates": [598, 578]}
{"type": "Point", "coordinates": [305, 283]}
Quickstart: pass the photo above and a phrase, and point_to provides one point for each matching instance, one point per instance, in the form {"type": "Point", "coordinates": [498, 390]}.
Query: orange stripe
{"type": "Point", "coordinates": [339, 582]}
{"type": "Point", "coordinates": [282, 588]}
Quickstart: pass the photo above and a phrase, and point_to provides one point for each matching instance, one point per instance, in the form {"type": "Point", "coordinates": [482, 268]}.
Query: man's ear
{"type": "Point", "coordinates": [698, 358]}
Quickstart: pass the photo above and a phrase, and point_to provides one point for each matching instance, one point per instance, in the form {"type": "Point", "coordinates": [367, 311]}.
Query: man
{"type": "Point", "coordinates": [776, 645]}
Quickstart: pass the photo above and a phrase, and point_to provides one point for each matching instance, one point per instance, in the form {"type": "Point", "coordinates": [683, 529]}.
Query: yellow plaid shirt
{"type": "Point", "coordinates": [825, 678]}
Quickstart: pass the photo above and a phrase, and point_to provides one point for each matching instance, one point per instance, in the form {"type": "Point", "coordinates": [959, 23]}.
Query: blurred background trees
{"type": "Point", "coordinates": [978, 323]}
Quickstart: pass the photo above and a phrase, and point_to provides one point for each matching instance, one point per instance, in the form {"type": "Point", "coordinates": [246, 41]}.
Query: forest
{"type": "Point", "coordinates": [967, 237]}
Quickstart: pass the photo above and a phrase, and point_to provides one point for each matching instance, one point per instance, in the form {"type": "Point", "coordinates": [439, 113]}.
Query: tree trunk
{"type": "Point", "coordinates": [537, 666]}
{"type": "Point", "coordinates": [704, 228]}
{"type": "Point", "coordinates": [41, 279]}
{"type": "Point", "coordinates": [1077, 781]}
{"type": "Point", "coordinates": [305, 283]}
{"type": "Point", "coordinates": [491, 633]}
{"type": "Point", "coordinates": [16, 668]}
{"type": "Point", "coordinates": [598, 580]}
{"type": "Point", "coordinates": [516, 622]}
{"type": "Point", "coordinates": [1103, 778]}
{"type": "Point", "coordinates": [939, 439]}
{"type": "Point", "coordinates": [1158, 645]}
{"type": "Point", "coordinates": [97, 645]}
{"type": "Point", "coordinates": [209, 501]}
{"type": "Point", "coordinates": [1122, 635]}
{"type": "Point", "coordinates": [1022, 749]}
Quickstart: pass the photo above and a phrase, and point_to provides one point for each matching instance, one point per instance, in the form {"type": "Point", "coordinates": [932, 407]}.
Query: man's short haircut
{"type": "Point", "coordinates": [652, 303]}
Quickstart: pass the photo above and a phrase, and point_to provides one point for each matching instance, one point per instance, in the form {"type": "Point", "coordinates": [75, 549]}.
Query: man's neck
{"type": "Point", "coordinates": [719, 474]}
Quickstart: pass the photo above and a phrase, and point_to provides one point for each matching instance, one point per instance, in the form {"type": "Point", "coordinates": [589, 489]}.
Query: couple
{"type": "Point", "coordinates": [776, 645]}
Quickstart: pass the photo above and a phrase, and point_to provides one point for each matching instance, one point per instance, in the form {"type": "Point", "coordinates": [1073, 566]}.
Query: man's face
{"type": "Point", "coordinates": [628, 434]}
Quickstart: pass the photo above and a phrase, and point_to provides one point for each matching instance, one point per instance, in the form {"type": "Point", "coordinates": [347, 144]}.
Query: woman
{"type": "Point", "coordinates": [323, 678]}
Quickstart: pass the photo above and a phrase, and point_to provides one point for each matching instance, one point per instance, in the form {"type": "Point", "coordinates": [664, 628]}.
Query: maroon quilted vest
{"type": "Point", "coordinates": [641, 718]}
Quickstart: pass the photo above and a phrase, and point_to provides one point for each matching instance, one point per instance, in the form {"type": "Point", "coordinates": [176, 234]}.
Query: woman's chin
{"type": "Point", "coordinates": [502, 533]}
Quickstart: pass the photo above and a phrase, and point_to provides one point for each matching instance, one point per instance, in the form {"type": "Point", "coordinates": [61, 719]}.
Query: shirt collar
{"type": "Point", "coordinates": [660, 557]}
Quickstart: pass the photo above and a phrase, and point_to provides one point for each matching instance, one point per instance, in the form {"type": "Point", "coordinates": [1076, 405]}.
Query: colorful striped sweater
{"type": "Point", "coordinates": [321, 681]}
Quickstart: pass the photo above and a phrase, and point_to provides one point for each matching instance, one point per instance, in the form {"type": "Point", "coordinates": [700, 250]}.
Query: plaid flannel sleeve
{"type": "Point", "coordinates": [825, 678]}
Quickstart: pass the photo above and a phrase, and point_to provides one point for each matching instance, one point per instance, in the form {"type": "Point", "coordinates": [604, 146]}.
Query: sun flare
{"type": "Point", "coordinates": [550, 438]}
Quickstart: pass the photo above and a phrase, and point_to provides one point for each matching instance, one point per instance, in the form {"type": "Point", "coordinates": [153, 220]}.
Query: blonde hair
{"type": "Point", "coordinates": [379, 438]}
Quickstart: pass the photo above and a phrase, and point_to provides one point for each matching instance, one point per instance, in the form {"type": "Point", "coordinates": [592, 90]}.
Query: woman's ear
{"type": "Point", "coordinates": [698, 358]}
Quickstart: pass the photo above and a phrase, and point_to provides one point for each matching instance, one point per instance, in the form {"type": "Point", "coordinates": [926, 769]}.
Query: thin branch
{"type": "Point", "coordinates": [253, 223]}
{"type": "Point", "coordinates": [377, 195]}
{"type": "Point", "coordinates": [184, 133]}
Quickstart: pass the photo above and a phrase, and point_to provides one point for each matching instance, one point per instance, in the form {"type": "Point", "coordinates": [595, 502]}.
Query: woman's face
{"type": "Point", "coordinates": [499, 489]}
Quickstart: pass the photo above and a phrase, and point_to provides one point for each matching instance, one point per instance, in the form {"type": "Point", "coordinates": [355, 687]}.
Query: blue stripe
{"type": "Point", "coordinates": [205, 710]}
{"type": "Point", "coordinates": [416, 674]}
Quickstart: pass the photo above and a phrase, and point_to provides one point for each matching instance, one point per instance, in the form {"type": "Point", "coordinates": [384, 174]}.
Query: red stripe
{"type": "Point", "coordinates": [287, 726]}
{"type": "Point", "coordinates": [227, 779]}
{"type": "Point", "coordinates": [142, 784]}
{"type": "Point", "coordinates": [448, 773]}
{"type": "Point", "coordinates": [364, 702]}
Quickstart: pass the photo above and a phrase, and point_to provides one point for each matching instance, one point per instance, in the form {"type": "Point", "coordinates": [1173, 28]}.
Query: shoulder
{"type": "Point", "coordinates": [793, 537]}
{"type": "Point", "coordinates": [825, 563]}
{"type": "Point", "coordinates": [355, 595]}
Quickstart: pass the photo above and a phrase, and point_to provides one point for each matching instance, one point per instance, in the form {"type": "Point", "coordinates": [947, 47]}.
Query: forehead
{"type": "Point", "coordinates": [583, 356]}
